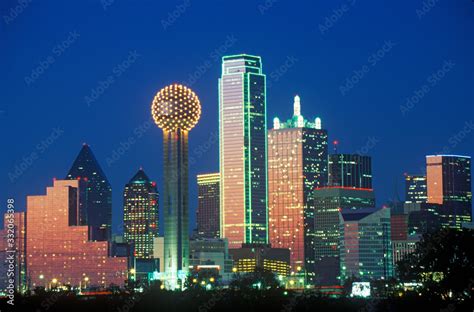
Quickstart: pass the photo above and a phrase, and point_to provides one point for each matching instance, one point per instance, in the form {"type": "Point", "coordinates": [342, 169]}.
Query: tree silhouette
{"type": "Point", "coordinates": [443, 263]}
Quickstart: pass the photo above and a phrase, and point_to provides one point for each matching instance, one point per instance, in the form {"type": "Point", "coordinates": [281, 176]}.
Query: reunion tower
{"type": "Point", "coordinates": [176, 110]}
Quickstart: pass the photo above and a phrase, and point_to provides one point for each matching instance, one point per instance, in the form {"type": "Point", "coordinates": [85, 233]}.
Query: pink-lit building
{"type": "Point", "coordinates": [297, 164]}
{"type": "Point", "coordinates": [58, 251]}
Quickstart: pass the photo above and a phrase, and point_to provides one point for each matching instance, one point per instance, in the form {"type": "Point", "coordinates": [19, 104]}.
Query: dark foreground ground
{"type": "Point", "coordinates": [207, 301]}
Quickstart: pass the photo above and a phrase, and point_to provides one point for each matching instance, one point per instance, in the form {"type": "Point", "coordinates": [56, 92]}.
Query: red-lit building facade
{"type": "Point", "coordinates": [58, 251]}
{"type": "Point", "coordinates": [297, 163]}
{"type": "Point", "coordinates": [399, 226]}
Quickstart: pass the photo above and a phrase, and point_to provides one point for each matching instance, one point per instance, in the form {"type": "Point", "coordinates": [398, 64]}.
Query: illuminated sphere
{"type": "Point", "coordinates": [176, 107]}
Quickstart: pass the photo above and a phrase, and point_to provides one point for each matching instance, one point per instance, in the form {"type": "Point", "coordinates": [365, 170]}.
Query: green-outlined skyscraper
{"type": "Point", "coordinates": [243, 150]}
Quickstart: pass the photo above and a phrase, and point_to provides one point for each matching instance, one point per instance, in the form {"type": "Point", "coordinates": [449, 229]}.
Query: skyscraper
{"type": "Point", "coordinates": [140, 214]}
{"type": "Point", "coordinates": [208, 209]}
{"type": "Point", "coordinates": [176, 110]}
{"type": "Point", "coordinates": [421, 217]}
{"type": "Point", "coordinates": [329, 202]}
{"type": "Point", "coordinates": [96, 204]}
{"type": "Point", "coordinates": [242, 149]}
{"type": "Point", "coordinates": [366, 250]}
{"type": "Point", "coordinates": [449, 184]}
{"type": "Point", "coordinates": [415, 189]}
{"type": "Point", "coordinates": [350, 170]}
{"type": "Point", "coordinates": [297, 163]}
{"type": "Point", "coordinates": [58, 251]}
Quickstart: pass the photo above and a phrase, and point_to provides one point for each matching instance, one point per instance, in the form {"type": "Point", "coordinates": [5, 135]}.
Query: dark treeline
{"type": "Point", "coordinates": [226, 300]}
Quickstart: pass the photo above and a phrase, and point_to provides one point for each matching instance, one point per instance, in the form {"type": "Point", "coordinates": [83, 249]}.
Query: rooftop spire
{"type": "Point", "coordinates": [140, 176]}
{"type": "Point", "coordinates": [297, 106]}
{"type": "Point", "coordinates": [276, 123]}
{"type": "Point", "coordinates": [317, 123]}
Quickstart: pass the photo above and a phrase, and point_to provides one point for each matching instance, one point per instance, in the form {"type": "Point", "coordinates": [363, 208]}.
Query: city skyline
{"type": "Point", "coordinates": [240, 155]}
{"type": "Point", "coordinates": [305, 75]}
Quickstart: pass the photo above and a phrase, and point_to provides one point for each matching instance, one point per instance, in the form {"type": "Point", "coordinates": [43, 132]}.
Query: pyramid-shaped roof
{"type": "Point", "coordinates": [86, 166]}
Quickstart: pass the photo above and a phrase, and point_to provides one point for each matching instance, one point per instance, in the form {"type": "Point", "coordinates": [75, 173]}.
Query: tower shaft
{"type": "Point", "coordinates": [175, 203]}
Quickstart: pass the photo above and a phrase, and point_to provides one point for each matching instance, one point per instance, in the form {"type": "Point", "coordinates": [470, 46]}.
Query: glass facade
{"type": "Point", "coordinates": [211, 252]}
{"type": "Point", "coordinates": [350, 170]}
{"type": "Point", "coordinates": [402, 248]}
{"type": "Point", "coordinates": [207, 214]}
{"type": "Point", "coordinates": [242, 149]}
{"type": "Point", "coordinates": [297, 163]}
{"type": "Point", "coordinates": [449, 184]}
{"type": "Point", "coordinates": [415, 189]}
{"type": "Point", "coordinates": [140, 215]}
{"type": "Point", "coordinates": [329, 202]}
{"type": "Point", "coordinates": [58, 253]}
{"type": "Point", "coordinates": [423, 218]}
{"type": "Point", "coordinates": [96, 204]}
{"type": "Point", "coordinates": [366, 250]}
{"type": "Point", "coordinates": [399, 226]}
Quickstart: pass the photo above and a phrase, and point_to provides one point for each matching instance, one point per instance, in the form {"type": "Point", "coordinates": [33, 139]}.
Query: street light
{"type": "Point", "coordinates": [133, 272]}
{"type": "Point", "coordinates": [53, 281]}
{"type": "Point", "coordinates": [212, 279]}
{"type": "Point", "coordinates": [41, 277]}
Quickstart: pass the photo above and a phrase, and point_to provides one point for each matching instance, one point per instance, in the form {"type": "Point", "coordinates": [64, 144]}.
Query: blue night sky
{"type": "Point", "coordinates": [87, 71]}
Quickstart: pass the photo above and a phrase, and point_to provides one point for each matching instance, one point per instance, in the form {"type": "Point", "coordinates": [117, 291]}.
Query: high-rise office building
{"type": "Point", "coordinates": [58, 251]}
{"type": "Point", "coordinates": [449, 185]}
{"type": "Point", "coordinates": [243, 150]}
{"type": "Point", "coordinates": [424, 218]}
{"type": "Point", "coordinates": [176, 110]}
{"type": "Point", "coordinates": [96, 206]}
{"type": "Point", "coordinates": [329, 202]}
{"type": "Point", "coordinates": [297, 163]}
{"type": "Point", "coordinates": [208, 210]}
{"type": "Point", "coordinates": [366, 250]}
{"type": "Point", "coordinates": [350, 170]}
{"type": "Point", "coordinates": [140, 214]}
{"type": "Point", "coordinates": [415, 189]}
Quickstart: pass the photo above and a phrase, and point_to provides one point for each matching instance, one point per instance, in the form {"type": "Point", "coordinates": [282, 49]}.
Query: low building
{"type": "Point", "coordinates": [211, 253]}
{"type": "Point", "coordinates": [256, 256]}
